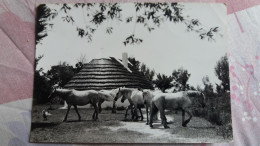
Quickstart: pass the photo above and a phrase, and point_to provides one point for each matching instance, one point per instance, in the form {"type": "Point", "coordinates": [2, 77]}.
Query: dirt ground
{"type": "Point", "coordinates": [111, 128]}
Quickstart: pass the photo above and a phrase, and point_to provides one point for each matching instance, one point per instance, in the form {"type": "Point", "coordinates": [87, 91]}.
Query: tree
{"type": "Point", "coordinates": [149, 15]}
{"type": "Point", "coordinates": [208, 87]}
{"type": "Point", "coordinates": [60, 74]}
{"type": "Point", "coordinates": [44, 14]}
{"type": "Point", "coordinates": [42, 86]}
{"type": "Point", "coordinates": [163, 82]}
{"type": "Point", "coordinates": [222, 72]}
{"type": "Point", "coordinates": [181, 77]}
{"type": "Point", "coordinates": [148, 73]}
{"type": "Point", "coordinates": [81, 61]}
{"type": "Point", "coordinates": [135, 63]}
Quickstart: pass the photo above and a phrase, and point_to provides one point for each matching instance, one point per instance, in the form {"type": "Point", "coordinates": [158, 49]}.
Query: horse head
{"type": "Point", "coordinates": [53, 92]}
{"type": "Point", "coordinates": [147, 96]}
{"type": "Point", "coordinates": [118, 94]}
{"type": "Point", "coordinates": [123, 99]}
{"type": "Point", "coordinates": [121, 93]}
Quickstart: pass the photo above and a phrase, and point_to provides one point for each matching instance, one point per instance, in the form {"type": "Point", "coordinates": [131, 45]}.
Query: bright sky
{"type": "Point", "coordinates": [164, 49]}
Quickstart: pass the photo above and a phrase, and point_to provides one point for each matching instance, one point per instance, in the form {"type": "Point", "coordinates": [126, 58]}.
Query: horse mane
{"type": "Point", "coordinates": [111, 92]}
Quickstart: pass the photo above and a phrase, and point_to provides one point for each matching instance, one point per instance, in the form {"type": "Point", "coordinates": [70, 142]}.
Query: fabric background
{"type": "Point", "coordinates": [17, 50]}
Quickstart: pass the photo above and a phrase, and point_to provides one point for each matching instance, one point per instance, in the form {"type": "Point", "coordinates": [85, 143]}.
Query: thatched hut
{"type": "Point", "coordinates": [108, 73]}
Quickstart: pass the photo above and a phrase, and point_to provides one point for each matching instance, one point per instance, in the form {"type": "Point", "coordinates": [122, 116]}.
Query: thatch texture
{"type": "Point", "coordinates": [107, 73]}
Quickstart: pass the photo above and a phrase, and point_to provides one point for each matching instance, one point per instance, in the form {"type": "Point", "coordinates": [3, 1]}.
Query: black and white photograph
{"type": "Point", "coordinates": [131, 73]}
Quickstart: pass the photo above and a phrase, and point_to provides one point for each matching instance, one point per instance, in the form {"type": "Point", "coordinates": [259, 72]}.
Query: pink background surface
{"type": "Point", "coordinates": [17, 50]}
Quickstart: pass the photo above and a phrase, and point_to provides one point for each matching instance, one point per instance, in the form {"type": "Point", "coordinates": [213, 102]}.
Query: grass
{"type": "Point", "coordinates": [110, 128]}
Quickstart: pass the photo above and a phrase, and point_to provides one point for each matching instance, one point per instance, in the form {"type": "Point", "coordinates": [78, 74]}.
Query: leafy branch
{"type": "Point", "coordinates": [150, 15]}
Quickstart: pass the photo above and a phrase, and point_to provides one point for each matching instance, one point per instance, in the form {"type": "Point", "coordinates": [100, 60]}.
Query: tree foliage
{"type": "Point", "coordinates": [60, 74]}
{"type": "Point", "coordinates": [163, 82]}
{"type": "Point", "coordinates": [135, 63]}
{"type": "Point", "coordinates": [222, 72]}
{"type": "Point", "coordinates": [149, 15]}
{"type": "Point", "coordinates": [208, 87]}
{"type": "Point", "coordinates": [42, 86]}
{"type": "Point", "coordinates": [142, 68]}
{"type": "Point", "coordinates": [181, 77]}
{"type": "Point", "coordinates": [148, 73]}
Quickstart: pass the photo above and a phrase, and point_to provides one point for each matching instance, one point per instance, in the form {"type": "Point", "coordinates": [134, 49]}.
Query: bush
{"type": "Point", "coordinates": [225, 130]}
{"type": "Point", "coordinates": [215, 118]}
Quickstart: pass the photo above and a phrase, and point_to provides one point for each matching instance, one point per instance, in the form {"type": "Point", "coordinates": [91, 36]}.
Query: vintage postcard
{"type": "Point", "coordinates": [131, 73]}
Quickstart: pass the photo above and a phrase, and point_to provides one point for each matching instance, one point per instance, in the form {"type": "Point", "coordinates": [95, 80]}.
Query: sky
{"type": "Point", "coordinates": [165, 49]}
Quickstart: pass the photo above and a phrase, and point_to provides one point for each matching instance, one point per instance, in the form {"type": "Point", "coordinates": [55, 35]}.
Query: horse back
{"type": "Point", "coordinates": [137, 98]}
{"type": "Point", "coordinates": [83, 97]}
{"type": "Point", "coordinates": [172, 100]}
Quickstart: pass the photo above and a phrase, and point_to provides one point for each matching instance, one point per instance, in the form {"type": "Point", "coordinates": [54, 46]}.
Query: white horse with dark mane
{"type": "Point", "coordinates": [173, 101]}
{"type": "Point", "coordinates": [75, 98]}
{"type": "Point", "coordinates": [135, 98]}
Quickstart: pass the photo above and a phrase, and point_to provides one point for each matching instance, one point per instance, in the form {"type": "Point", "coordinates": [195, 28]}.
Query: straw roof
{"type": "Point", "coordinates": [107, 73]}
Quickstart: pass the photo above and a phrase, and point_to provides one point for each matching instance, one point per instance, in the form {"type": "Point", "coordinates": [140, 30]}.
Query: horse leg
{"type": "Point", "coordinates": [163, 118]}
{"type": "Point", "coordinates": [127, 111]}
{"type": "Point", "coordinates": [153, 112]}
{"type": "Point", "coordinates": [183, 117]}
{"type": "Point", "coordinates": [76, 109]}
{"type": "Point", "coordinates": [95, 115]}
{"type": "Point", "coordinates": [114, 107]}
{"type": "Point", "coordinates": [99, 105]}
{"type": "Point", "coordinates": [132, 112]}
{"type": "Point", "coordinates": [135, 113]}
{"type": "Point", "coordinates": [184, 124]}
{"type": "Point", "coordinates": [65, 119]}
{"type": "Point", "coordinates": [147, 121]}
{"type": "Point", "coordinates": [142, 118]}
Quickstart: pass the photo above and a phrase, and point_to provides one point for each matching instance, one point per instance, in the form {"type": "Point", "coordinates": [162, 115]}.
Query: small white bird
{"type": "Point", "coordinates": [45, 114]}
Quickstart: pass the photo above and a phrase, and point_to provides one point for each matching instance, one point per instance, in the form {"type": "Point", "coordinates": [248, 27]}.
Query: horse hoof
{"type": "Point", "coordinates": [64, 120]}
{"type": "Point", "coordinates": [151, 126]}
{"type": "Point", "coordinates": [146, 123]}
{"type": "Point", "coordinates": [184, 125]}
{"type": "Point", "coordinates": [166, 127]}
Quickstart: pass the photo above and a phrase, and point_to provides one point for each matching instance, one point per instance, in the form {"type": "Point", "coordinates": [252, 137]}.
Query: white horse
{"type": "Point", "coordinates": [75, 98]}
{"type": "Point", "coordinates": [148, 97]}
{"type": "Point", "coordinates": [173, 101]}
{"type": "Point", "coordinates": [135, 98]}
{"type": "Point", "coordinates": [107, 94]}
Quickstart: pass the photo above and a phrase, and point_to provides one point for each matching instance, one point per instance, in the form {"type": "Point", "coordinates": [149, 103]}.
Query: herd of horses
{"type": "Point", "coordinates": [152, 101]}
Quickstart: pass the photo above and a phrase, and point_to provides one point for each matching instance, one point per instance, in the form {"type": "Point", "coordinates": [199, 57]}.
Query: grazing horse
{"type": "Point", "coordinates": [107, 94]}
{"type": "Point", "coordinates": [173, 101]}
{"type": "Point", "coordinates": [135, 98]}
{"type": "Point", "coordinates": [75, 98]}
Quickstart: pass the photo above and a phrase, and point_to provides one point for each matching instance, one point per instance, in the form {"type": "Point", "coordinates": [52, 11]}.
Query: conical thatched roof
{"type": "Point", "coordinates": [107, 73]}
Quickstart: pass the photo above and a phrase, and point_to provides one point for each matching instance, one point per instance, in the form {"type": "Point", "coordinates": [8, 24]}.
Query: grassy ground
{"type": "Point", "coordinates": [110, 128]}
